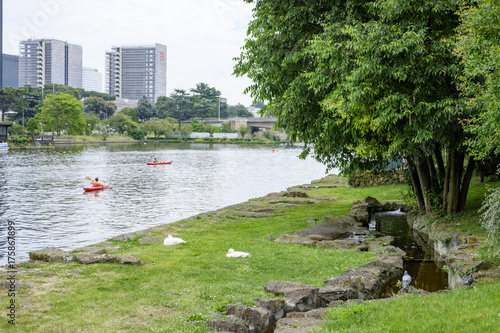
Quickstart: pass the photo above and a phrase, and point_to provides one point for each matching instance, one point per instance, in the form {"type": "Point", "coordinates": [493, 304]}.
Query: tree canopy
{"type": "Point", "coordinates": [62, 111]}
{"type": "Point", "coordinates": [478, 45]}
{"type": "Point", "coordinates": [366, 82]}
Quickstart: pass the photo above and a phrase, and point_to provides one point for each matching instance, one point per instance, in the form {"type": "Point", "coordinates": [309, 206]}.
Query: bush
{"type": "Point", "coordinates": [20, 140]}
{"type": "Point", "coordinates": [490, 219]}
{"type": "Point", "coordinates": [137, 133]}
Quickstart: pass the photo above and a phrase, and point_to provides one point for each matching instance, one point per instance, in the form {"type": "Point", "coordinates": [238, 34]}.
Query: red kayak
{"type": "Point", "coordinates": [96, 188]}
{"type": "Point", "coordinates": [159, 163]}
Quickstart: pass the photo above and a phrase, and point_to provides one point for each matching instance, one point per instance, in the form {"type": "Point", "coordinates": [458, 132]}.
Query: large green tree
{"type": "Point", "coordinates": [478, 45]}
{"type": "Point", "coordinates": [366, 82]}
{"type": "Point", "coordinates": [62, 111]}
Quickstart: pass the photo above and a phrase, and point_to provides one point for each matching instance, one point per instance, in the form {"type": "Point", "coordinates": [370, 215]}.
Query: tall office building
{"type": "Point", "coordinates": [44, 61]}
{"type": "Point", "coordinates": [91, 79]}
{"type": "Point", "coordinates": [10, 69]}
{"type": "Point", "coordinates": [134, 72]}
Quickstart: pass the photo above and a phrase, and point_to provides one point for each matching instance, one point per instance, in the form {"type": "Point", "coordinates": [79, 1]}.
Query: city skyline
{"type": "Point", "coordinates": [202, 37]}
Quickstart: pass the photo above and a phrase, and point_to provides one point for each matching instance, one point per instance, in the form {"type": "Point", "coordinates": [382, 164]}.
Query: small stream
{"type": "Point", "coordinates": [421, 262]}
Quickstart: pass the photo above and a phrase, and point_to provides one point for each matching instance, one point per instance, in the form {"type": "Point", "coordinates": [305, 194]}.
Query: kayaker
{"type": "Point", "coordinates": [156, 160]}
{"type": "Point", "coordinates": [96, 183]}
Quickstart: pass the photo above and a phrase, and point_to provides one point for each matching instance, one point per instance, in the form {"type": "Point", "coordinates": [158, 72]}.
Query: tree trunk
{"type": "Point", "coordinates": [465, 184]}
{"type": "Point", "coordinates": [431, 166]}
{"type": "Point", "coordinates": [417, 189]}
{"type": "Point", "coordinates": [439, 160]}
{"type": "Point", "coordinates": [424, 178]}
{"type": "Point", "coordinates": [453, 182]}
{"type": "Point", "coordinates": [446, 183]}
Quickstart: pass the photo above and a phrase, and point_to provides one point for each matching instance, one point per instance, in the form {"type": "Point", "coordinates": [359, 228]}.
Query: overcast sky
{"type": "Point", "coordinates": [202, 36]}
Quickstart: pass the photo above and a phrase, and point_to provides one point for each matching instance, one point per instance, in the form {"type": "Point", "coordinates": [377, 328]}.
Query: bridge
{"type": "Point", "coordinates": [254, 123]}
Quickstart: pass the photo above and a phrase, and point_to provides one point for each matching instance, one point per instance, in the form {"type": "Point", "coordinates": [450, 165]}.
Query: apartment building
{"type": "Point", "coordinates": [43, 61]}
{"type": "Point", "coordinates": [91, 79]}
{"type": "Point", "coordinates": [134, 72]}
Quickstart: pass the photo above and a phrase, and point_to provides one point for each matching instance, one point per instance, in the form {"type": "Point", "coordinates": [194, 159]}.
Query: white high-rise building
{"type": "Point", "coordinates": [91, 79]}
{"type": "Point", "coordinates": [134, 72]}
{"type": "Point", "coordinates": [44, 61]}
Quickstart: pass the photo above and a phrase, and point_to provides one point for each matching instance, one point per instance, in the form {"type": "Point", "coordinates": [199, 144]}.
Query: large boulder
{"type": "Point", "coordinates": [51, 254]}
{"type": "Point", "coordinates": [256, 319]}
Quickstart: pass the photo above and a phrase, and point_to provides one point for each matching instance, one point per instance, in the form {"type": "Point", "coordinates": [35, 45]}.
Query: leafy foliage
{"type": "Point", "coordinates": [62, 111]}
{"type": "Point", "coordinates": [365, 82]}
{"type": "Point", "coordinates": [490, 219]}
{"type": "Point", "coordinates": [478, 45]}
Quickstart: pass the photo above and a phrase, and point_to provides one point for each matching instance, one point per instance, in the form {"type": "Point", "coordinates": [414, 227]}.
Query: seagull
{"type": "Point", "coordinates": [173, 240]}
{"type": "Point", "coordinates": [469, 280]}
{"type": "Point", "coordinates": [237, 254]}
{"type": "Point", "coordinates": [406, 281]}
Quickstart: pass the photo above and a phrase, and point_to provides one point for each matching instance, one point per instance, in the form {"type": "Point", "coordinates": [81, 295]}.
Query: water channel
{"type": "Point", "coordinates": [41, 191]}
{"type": "Point", "coordinates": [420, 261]}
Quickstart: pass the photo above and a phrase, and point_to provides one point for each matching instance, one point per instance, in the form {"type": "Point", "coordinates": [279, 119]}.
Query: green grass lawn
{"type": "Point", "coordinates": [183, 283]}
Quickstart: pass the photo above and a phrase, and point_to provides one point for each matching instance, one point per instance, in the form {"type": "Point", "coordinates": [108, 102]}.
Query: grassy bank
{"type": "Point", "coordinates": [188, 282]}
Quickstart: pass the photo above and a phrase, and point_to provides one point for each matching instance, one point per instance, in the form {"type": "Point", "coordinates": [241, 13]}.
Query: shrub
{"type": "Point", "coordinates": [490, 219]}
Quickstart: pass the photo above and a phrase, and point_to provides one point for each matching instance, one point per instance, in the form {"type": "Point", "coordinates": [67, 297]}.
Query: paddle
{"type": "Point", "coordinates": [88, 178]}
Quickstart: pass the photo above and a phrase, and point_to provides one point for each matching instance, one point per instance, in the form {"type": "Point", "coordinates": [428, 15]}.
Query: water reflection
{"type": "Point", "coordinates": [42, 190]}
{"type": "Point", "coordinates": [420, 261]}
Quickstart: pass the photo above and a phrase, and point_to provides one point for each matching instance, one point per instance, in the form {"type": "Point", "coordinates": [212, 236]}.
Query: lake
{"type": "Point", "coordinates": [41, 191]}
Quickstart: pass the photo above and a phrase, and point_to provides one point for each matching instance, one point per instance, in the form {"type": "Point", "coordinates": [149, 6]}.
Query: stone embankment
{"type": "Point", "coordinates": [385, 177]}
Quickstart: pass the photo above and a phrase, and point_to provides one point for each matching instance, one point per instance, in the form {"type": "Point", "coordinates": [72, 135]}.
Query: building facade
{"type": "Point", "coordinates": [134, 72]}
{"type": "Point", "coordinates": [43, 61]}
{"type": "Point", "coordinates": [10, 69]}
{"type": "Point", "coordinates": [91, 79]}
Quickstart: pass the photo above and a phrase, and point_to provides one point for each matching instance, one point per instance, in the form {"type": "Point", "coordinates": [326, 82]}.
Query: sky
{"type": "Point", "coordinates": [202, 36]}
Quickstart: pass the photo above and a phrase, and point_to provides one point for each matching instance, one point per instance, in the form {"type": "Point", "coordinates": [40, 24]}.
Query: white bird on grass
{"type": "Point", "coordinates": [173, 240]}
{"type": "Point", "coordinates": [406, 281]}
{"type": "Point", "coordinates": [237, 254]}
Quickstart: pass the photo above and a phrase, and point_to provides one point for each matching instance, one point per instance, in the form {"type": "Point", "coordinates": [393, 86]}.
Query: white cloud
{"type": "Point", "coordinates": [202, 36]}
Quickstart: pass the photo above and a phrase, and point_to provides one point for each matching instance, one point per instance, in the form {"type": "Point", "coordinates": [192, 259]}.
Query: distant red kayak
{"type": "Point", "coordinates": [159, 163]}
{"type": "Point", "coordinates": [96, 188]}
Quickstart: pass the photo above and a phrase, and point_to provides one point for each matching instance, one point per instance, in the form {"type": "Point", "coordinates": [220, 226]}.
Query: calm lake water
{"type": "Point", "coordinates": [41, 191]}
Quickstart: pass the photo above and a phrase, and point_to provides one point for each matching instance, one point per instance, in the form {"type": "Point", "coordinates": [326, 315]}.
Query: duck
{"type": "Point", "coordinates": [237, 254]}
{"type": "Point", "coordinates": [173, 240]}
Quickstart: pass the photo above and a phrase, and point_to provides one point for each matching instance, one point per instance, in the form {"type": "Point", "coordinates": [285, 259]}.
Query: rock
{"type": "Point", "coordinates": [17, 285]}
{"type": "Point", "coordinates": [360, 213]}
{"type": "Point", "coordinates": [323, 231]}
{"type": "Point", "coordinates": [144, 240]}
{"type": "Point", "coordinates": [335, 293]}
{"type": "Point", "coordinates": [300, 300]}
{"type": "Point", "coordinates": [275, 305]}
{"type": "Point", "coordinates": [296, 194]}
{"type": "Point", "coordinates": [255, 319]}
{"type": "Point", "coordinates": [279, 288]}
{"type": "Point", "coordinates": [90, 258]}
{"type": "Point", "coordinates": [362, 247]}
{"type": "Point", "coordinates": [365, 280]}
{"type": "Point", "coordinates": [124, 237]}
{"type": "Point", "coordinates": [51, 254]}
{"type": "Point", "coordinates": [226, 326]}
{"type": "Point", "coordinates": [295, 240]}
